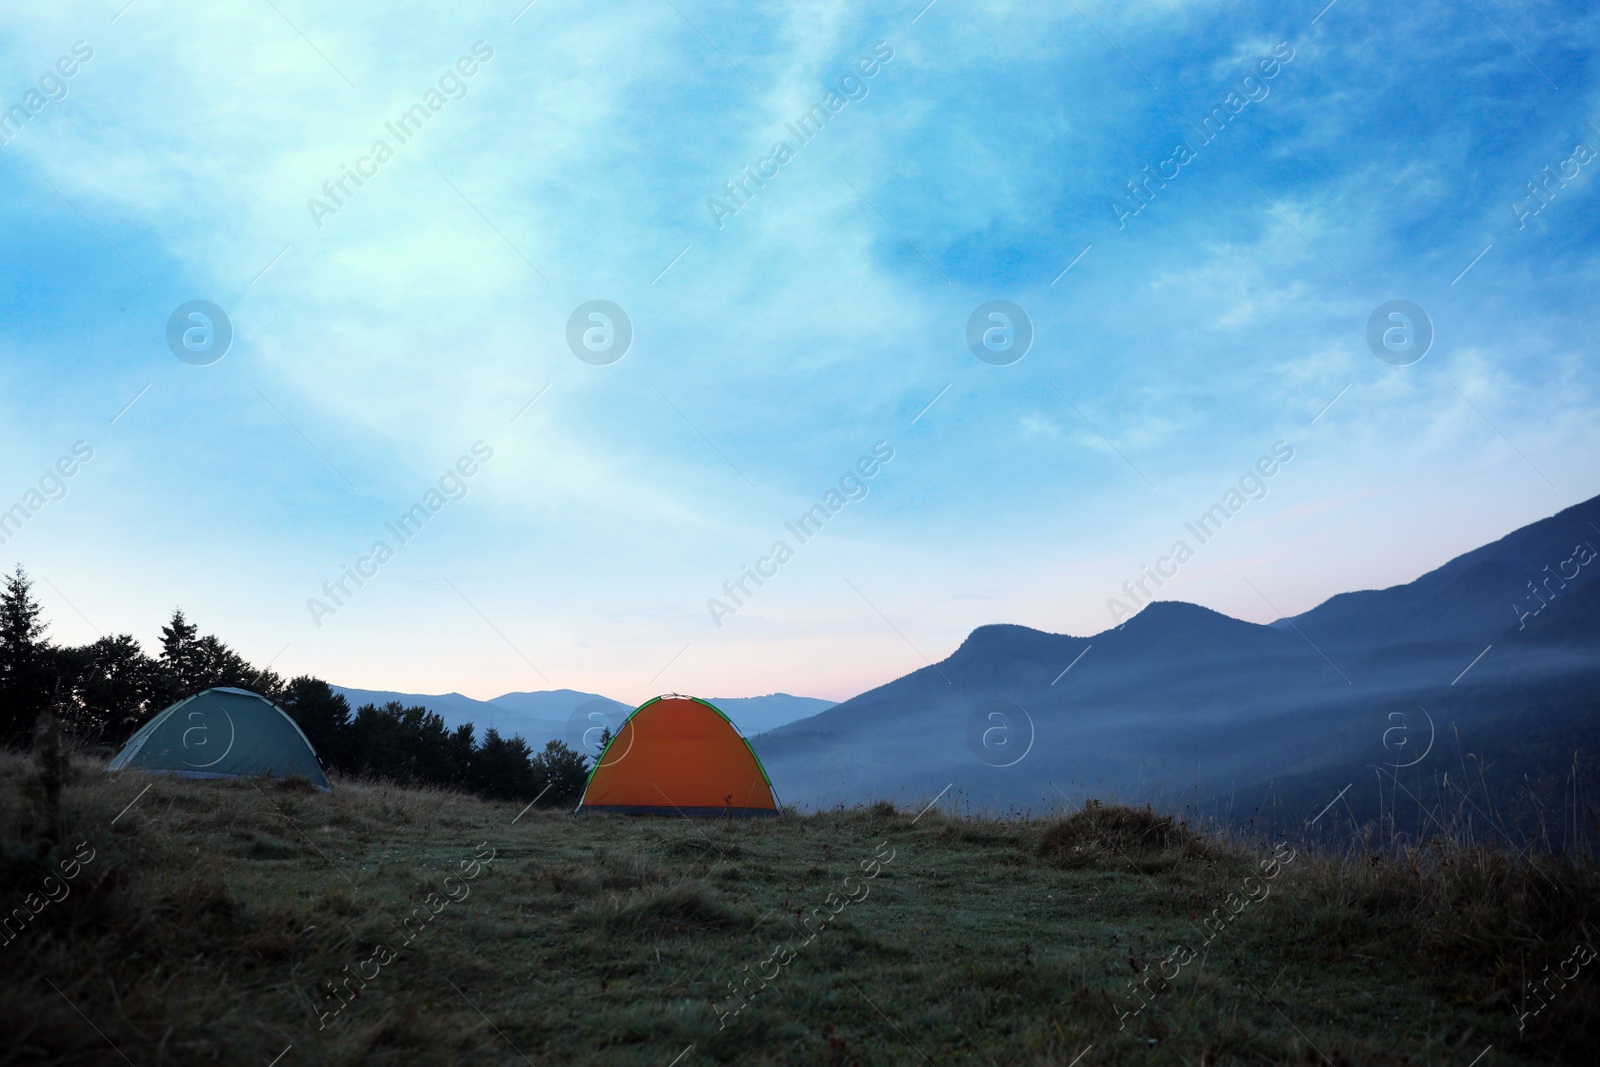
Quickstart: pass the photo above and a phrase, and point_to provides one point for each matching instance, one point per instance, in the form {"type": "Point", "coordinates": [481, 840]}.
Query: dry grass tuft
{"type": "Point", "coordinates": [1114, 836]}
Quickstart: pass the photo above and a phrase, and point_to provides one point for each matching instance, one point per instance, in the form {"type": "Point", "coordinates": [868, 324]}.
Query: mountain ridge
{"type": "Point", "coordinates": [1181, 685]}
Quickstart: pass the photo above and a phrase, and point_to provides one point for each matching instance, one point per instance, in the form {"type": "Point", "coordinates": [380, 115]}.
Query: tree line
{"type": "Point", "coordinates": [100, 693]}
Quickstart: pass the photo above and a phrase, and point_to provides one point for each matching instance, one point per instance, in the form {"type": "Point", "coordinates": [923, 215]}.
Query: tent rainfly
{"type": "Point", "coordinates": [222, 733]}
{"type": "Point", "coordinates": [678, 755]}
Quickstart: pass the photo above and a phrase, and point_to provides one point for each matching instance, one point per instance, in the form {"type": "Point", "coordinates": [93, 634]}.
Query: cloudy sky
{"type": "Point", "coordinates": [1367, 153]}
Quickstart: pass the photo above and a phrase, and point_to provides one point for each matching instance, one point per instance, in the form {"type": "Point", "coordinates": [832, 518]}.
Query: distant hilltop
{"type": "Point", "coordinates": [566, 714]}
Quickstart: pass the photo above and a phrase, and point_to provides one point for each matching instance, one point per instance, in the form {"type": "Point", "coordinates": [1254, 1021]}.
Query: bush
{"type": "Point", "coordinates": [1098, 834]}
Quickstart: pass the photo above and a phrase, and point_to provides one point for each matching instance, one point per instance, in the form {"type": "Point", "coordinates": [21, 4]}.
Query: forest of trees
{"type": "Point", "coordinates": [102, 692]}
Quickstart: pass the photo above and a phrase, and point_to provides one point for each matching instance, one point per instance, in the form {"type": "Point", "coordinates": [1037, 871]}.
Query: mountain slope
{"type": "Point", "coordinates": [1183, 700]}
{"type": "Point", "coordinates": [1473, 596]}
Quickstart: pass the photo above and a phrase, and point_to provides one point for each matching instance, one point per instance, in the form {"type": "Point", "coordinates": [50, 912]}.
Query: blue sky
{"type": "Point", "coordinates": [770, 354]}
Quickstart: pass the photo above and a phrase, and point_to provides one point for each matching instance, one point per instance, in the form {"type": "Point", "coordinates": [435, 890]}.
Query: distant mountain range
{"type": "Point", "coordinates": [1494, 654]}
{"type": "Point", "coordinates": [1488, 666]}
{"type": "Point", "coordinates": [574, 717]}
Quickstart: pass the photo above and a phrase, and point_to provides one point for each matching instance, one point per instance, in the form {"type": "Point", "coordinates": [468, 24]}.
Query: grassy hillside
{"type": "Point", "coordinates": [207, 922]}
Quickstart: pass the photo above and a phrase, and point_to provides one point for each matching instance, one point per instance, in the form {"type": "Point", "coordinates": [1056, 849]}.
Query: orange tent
{"type": "Point", "coordinates": [679, 755]}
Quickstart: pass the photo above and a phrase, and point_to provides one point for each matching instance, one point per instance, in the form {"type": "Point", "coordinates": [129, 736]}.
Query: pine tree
{"type": "Point", "coordinates": [212, 663]}
{"type": "Point", "coordinates": [179, 658]}
{"type": "Point", "coordinates": [25, 660]}
{"type": "Point", "coordinates": [462, 748]}
{"type": "Point", "coordinates": [324, 717]}
{"type": "Point", "coordinates": [502, 770]}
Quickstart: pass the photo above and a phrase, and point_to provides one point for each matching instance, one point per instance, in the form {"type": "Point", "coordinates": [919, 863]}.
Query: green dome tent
{"type": "Point", "coordinates": [222, 733]}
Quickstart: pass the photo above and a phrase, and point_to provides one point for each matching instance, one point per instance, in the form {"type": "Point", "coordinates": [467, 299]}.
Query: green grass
{"type": "Point", "coordinates": [214, 912]}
